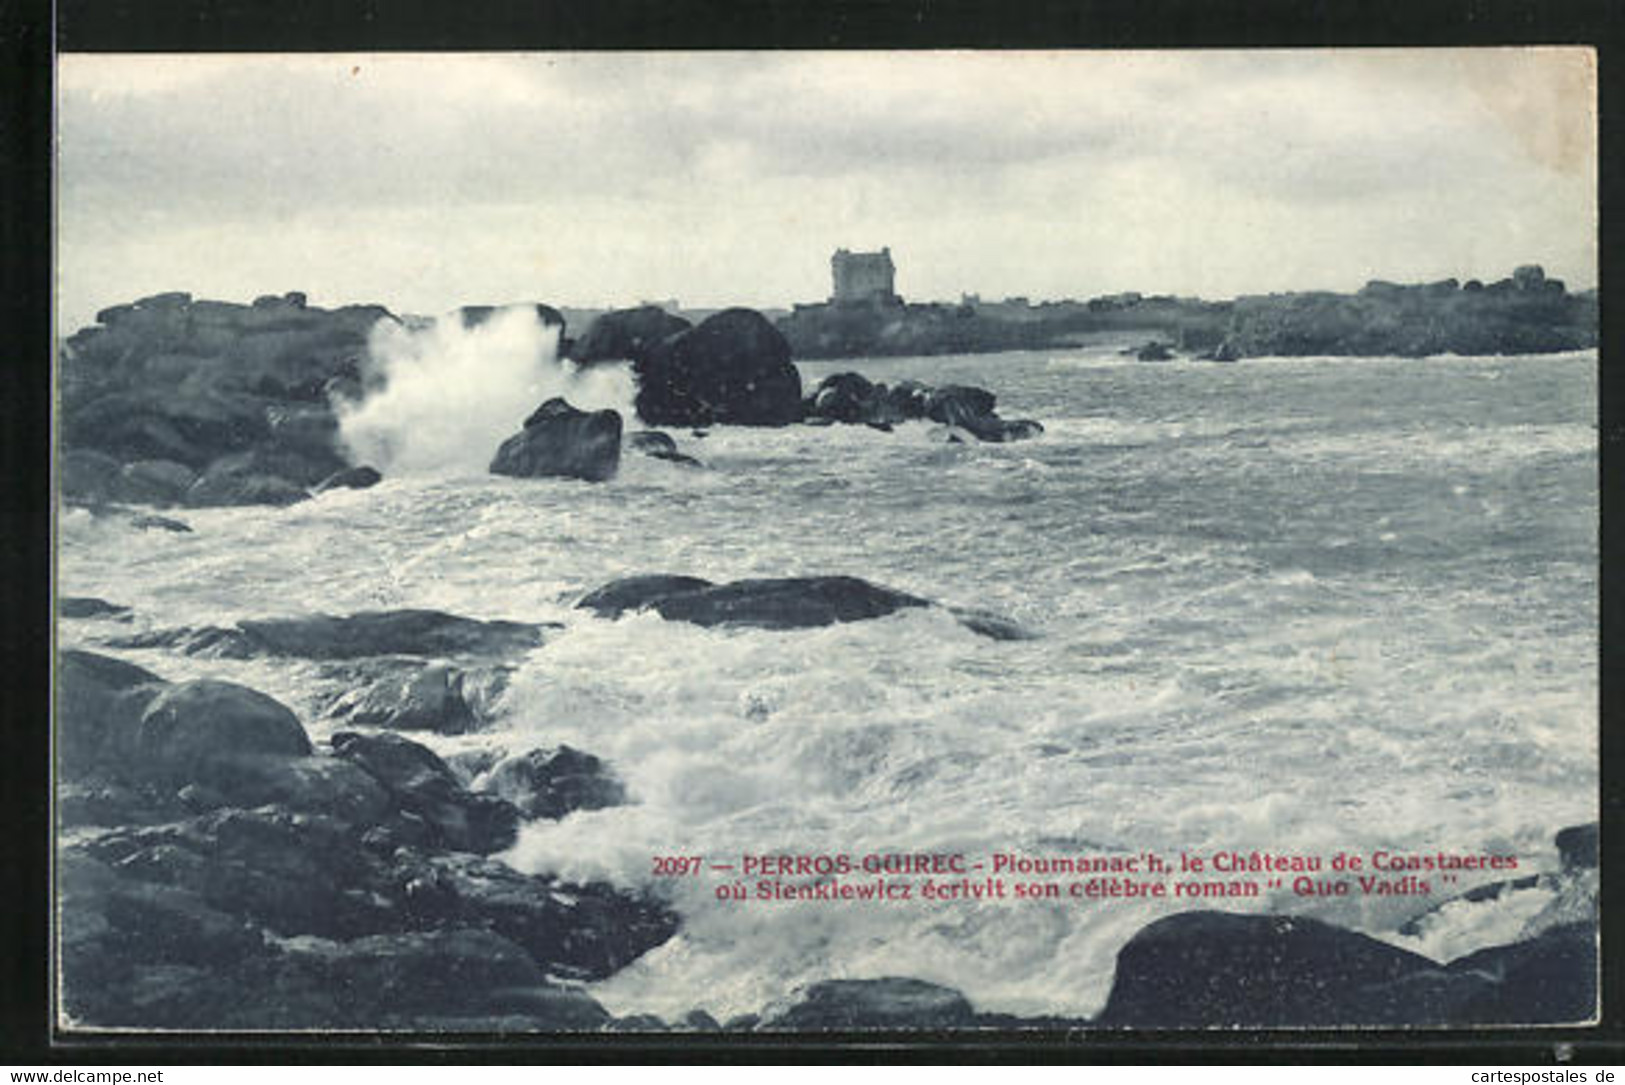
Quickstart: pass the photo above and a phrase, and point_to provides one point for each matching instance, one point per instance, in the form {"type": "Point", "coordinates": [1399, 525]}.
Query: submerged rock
{"type": "Point", "coordinates": [85, 606]}
{"type": "Point", "coordinates": [790, 603]}
{"type": "Point", "coordinates": [351, 478]}
{"type": "Point", "coordinates": [733, 369]}
{"type": "Point", "coordinates": [657, 445]}
{"type": "Point", "coordinates": [553, 783]}
{"type": "Point", "coordinates": [559, 441]}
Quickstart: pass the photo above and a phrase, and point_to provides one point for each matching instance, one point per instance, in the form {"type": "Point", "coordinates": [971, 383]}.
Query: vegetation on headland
{"type": "Point", "coordinates": [1524, 314]}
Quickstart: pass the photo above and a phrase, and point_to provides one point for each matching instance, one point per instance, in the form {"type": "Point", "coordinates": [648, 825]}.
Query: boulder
{"type": "Point", "coordinates": [321, 785]}
{"type": "Point", "coordinates": [428, 700]}
{"type": "Point", "coordinates": [957, 404]}
{"type": "Point", "coordinates": [425, 787]}
{"type": "Point", "coordinates": [788, 603]}
{"type": "Point", "coordinates": [845, 397]}
{"type": "Point", "coordinates": [100, 701]}
{"type": "Point", "coordinates": [553, 783]}
{"type": "Point", "coordinates": [290, 873]}
{"type": "Point", "coordinates": [637, 592]}
{"type": "Point", "coordinates": [733, 368]}
{"type": "Point", "coordinates": [890, 1003]}
{"type": "Point", "coordinates": [351, 478]}
{"type": "Point", "coordinates": [908, 399]}
{"type": "Point", "coordinates": [1154, 352]}
{"type": "Point", "coordinates": [1549, 979]}
{"type": "Point", "coordinates": [625, 334]}
{"type": "Point", "coordinates": [408, 632]}
{"type": "Point", "coordinates": [190, 726]}
{"type": "Point", "coordinates": [582, 932]}
{"type": "Point", "coordinates": [559, 441]}
{"type": "Point", "coordinates": [86, 606]}
{"type": "Point", "coordinates": [1219, 970]}
{"type": "Point", "coordinates": [1578, 846]}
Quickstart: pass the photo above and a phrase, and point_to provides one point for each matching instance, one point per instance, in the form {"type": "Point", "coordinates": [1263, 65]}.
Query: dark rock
{"type": "Point", "coordinates": [657, 445]}
{"type": "Point", "coordinates": [1225, 352]}
{"type": "Point", "coordinates": [625, 334]}
{"type": "Point", "coordinates": [957, 404]}
{"type": "Point", "coordinates": [559, 441]}
{"type": "Point", "coordinates": [100, 799]}
{"type": "Point", "coordinates": [637, 1022]}
{"type": "Point", "coordinates": [1550, 979]}
{"type": "Point", "coordinates": [290, 873]}
{"type": "Point", "coordinates": [351, 478]}
{"type": "Point", "coordinates": [698, 1021]}
{"type": "Point", "coordinates": [734, 368]}
{"type": "Point", "coordinates": [845, 397]}
{"type": "Point", "coordinates": [326, 786]}
{"type": "Point", "coordinates": [160, 523]}
{"type": "Point", "coordinates": [429, 700]}
{"type": "Point", "coordinates": [991, 625]}
{"type": "Point", "coordinates": [908, 400]}
{"type": "Point", "coordinates": [637, 592]}
{"type": "Point", "coordinates": [425, 786]}
{"type": "Point", "coordinates": [553, 783]}
{"type": "Point", "coordinates": [883, 427]}
{"type": "Point", "coordinates": [1218, 970]}
{"type": "Point", "coordinates": [1579, 846]}
{"type": "Point", "coordinates": [100, 701]}
{"type": "Point", "coordinates": [573, 931]}
{"type": "Point", "coordinates": [111, 926]}
{"type": "Point", "coordinates": [890, 1003]}
{"type": "Point", "coordinates": [1154, 352]}
{"type": "Point", "coordinates": [189, 727]}
{"type": "Point", "coordinates": [790, 603]}
{"type": "Point", "coordinates": [84, 606]}
{"type": "Point", "coordinates": [430, 633]}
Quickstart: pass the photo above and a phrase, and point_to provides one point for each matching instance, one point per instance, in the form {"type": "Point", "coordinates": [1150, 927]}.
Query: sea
{"type": "Point", "coordinates": [1301, 606]}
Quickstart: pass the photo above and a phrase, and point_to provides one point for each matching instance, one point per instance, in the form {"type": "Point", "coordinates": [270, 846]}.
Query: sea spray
{"type": "Point", "coordinates": [450, 393]}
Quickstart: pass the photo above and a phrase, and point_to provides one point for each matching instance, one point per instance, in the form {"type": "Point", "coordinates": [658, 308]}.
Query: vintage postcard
{"type": "Point", "coordinates": [555, 543]}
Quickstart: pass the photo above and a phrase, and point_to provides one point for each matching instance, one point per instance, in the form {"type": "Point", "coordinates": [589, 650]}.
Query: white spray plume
{"type": "Point", "coordinates": [451, 394]}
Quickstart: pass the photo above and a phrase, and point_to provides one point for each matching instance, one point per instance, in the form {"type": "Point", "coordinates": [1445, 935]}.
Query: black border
{"type": "Point", "coordinates": [28, 34]}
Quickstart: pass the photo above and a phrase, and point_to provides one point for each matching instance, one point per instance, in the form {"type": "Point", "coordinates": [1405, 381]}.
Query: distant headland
{"type": "Point", "coordinates": [1526, 313]}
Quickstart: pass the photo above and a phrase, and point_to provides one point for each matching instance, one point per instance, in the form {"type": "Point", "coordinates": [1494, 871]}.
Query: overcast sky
{"type": "Point", "coordinates": [429, 181]}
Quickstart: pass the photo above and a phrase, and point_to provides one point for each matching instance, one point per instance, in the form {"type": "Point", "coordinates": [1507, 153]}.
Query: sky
{"type": "Point", "coordinates": [428, 181]}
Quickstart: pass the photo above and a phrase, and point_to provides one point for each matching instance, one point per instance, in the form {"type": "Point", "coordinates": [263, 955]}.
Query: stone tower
{"type": "Point", "coordinates": [863, 276]}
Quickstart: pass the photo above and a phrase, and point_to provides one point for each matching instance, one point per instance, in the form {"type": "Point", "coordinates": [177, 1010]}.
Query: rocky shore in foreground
{"type": "Point", "coordinates": [217, 870]}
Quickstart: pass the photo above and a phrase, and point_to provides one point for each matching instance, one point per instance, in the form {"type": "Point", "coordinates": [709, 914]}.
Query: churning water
{"type": "Point", "coordinates": [1299, 605]}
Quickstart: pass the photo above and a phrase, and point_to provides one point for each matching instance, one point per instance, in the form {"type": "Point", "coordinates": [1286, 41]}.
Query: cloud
{"type": "Point", "coordinates": [617, 176]}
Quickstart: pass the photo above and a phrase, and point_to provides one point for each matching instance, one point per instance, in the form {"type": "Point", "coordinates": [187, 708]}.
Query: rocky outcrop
{"type": "Point", "coordinates": [559, 441]}
{"type": "Point", "coordinates": [86, 606]}
{"type": "Point", "coordinates": [430, 633]}
{"type": "Point", "coordinates": [232, 877]}
{"type": "Point", "coordinates": [184, 383]}
{"type": "Point", "coordinates": [626, 334]}
{"type": "Point", "coordinates": [732, 369]}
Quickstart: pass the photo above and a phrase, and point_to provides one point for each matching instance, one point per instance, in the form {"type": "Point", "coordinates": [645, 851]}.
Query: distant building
{"type": "Point", "coordinates": [863, 276]}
